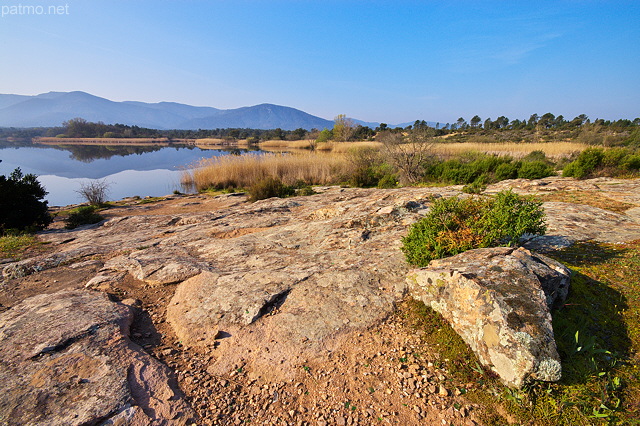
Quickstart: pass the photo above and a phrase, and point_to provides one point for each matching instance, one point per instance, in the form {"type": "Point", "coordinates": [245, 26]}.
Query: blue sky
{"type": "Point", "coordinates": [373, 60]}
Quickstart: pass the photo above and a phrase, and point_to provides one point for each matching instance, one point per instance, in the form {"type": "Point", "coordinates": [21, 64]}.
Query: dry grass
{"type": "Point", "coordinates": [231, 171]}
{"type": "Point", "coordinates": [516, 150]}
{"type": "Point", "coordinates": [299, 144]}
{"type": "Point", "coordinates": [345, 147]}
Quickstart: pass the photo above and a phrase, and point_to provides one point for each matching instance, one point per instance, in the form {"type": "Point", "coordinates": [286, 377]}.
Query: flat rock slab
{"type": "Point", "coordinates": [499, 301]}
{"type": "Point", "coordinates": [283, 278]}
{"type": "Point", "coordinates": [65, 359]}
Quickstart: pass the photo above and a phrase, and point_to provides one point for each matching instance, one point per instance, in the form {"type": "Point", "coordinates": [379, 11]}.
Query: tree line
{"type": "Point", "coordinates": [344, 129]}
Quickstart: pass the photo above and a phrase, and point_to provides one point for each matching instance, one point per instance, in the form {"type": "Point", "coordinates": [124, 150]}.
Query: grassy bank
{"type": "Point", "coordinates": [370, 163]}
{"type": "Point", "coordinates": [598, 337]}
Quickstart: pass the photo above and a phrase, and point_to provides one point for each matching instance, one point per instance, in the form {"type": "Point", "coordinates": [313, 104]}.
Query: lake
{"type": "Point", "coordinates": [129, 170]}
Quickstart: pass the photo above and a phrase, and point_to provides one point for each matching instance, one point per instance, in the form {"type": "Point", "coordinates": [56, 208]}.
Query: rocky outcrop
{"type": "Point", "coordinates": [499, 301]}
{"type": "Point", "coordinates": [157, 266]}
{"type": "Point", "coordinates": [65, 359]}
{"type": "Point", "coordinates": [275, 282]}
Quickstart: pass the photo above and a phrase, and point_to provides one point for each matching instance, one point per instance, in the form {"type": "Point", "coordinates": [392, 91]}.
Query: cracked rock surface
{"type": "Point", "coordinates": [235, 296]}
{"type": "Point", "coordinates": [66, 360]}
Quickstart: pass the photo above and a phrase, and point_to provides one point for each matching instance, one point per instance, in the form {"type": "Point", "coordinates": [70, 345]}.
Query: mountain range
{"type": "Point", "coordinates": [53, 108]}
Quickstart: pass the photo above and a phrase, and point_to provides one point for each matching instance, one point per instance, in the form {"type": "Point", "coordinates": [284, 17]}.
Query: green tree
{"type": "Point", "coordinates": [22, 207]}
{"type": "Point", "coordinates": [501, 122]}
{"type": "Point", "coordinates": [475, 121]}
{"type": "Point", "coordinates": [547, 120]}
{"type": "Point", "coordinates": [325, 136]}
{"type": "Point", "coordinates": [579, 120]}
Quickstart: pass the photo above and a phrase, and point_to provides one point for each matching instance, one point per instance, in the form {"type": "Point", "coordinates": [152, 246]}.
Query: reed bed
{"type": "Point", "coordinates": [232, 171]}
{"type": "Point", "coordinates": [345, 147]}
{"type": "Point", "coordinates": [299, 144]}
{"type": "Point", "coordinates": [516, 150]}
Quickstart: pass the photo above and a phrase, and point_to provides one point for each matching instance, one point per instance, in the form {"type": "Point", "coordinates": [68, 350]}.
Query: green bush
{"type": "Point", "coordinates": [363, 177]}
{"type": "Point", "coordinates": [21, 206]}
{"type": "Point", "coordinates": [477, 186]}
{"type": "Point", "coordinates": [325, 136]}
{"type": "Point", "coordinates": [367, 169]}
{"type": "Point", "coordinates": [537, 155]}
{"type": "Point", "coordinates": [613, 157]}
{"type": "Point", "coordinates": [454, 225]}
{"type": "Point", "coordinates": [634, 139]}
{"type": "Point", "coordinates": [534, 170]}
{"type": "Point", "coordinates": [388, 181]}
{"type": "Point", "coordinates": [84, 215]}
{"type": "Point", "coordinates": [631, 162]}
{"type": "Point", "coordinates": [585, 164]}
{"type": "Point", "coordinates": [468, 168]}
{"type": "Point", "coordinates": [507, 171]}
{"type": "Point", "coordinates": [305, 191]}
{"type": "Point", "coordinates": [269, 187]}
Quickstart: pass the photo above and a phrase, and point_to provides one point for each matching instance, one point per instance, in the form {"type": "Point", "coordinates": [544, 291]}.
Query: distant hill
{"type": "Point", "coordinates": [51, 109]}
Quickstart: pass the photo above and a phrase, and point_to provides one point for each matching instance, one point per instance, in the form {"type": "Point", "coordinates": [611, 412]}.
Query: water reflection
{"type": "Point", "coordinates": [131, 170]}
{"type": "Point", "coordinates": [87, 154]}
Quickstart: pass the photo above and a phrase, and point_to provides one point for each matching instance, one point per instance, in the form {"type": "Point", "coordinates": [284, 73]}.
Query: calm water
{"type": "Point", "coordinates": [130, 171]}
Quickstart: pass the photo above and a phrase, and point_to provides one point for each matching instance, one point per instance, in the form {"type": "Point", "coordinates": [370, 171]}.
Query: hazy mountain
{"type": "Point", "coordinates": [51, 109]}
{"type": "Point", "coordinates": [8, 100]}
{"type": "Point", "coordinates": [264, 116]}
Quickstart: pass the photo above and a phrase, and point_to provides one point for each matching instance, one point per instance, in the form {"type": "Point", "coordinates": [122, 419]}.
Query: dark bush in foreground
{"type": "Point", "coordinates": [21, 206]}
{"type": "Point", "coordinates": [269, 187]}
{"type": "Point", "coordinates": [454, 225]}
{"type": "Point", "coordinates": [84, 215]}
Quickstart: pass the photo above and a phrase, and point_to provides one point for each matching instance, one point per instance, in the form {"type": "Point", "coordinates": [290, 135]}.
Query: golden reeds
{"type": "Point", "coordinates": [516, 150]}
{"type": "Point", "coordinates": [232, 171]}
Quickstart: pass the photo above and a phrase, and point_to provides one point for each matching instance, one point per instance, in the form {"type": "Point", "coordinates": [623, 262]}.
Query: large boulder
{"type": "Point", "coordinates": [65, 359]}
{"type": "Point", "coordinates": [499, 301]}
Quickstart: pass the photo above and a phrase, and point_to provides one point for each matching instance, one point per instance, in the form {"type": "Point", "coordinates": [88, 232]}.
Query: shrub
{"type": "Point", "coordinates": [634, 138]}
{"type": "Point", "coordinates": [94, 192]}
{"type": "Point", "coordinates": [472, 166]}
{"type": "Point", "coordinates": [388, 181]}
{"type": "Point", "coordinates": [537, 155]}
{"type": "Point", "coordinates": [84, 215]}
{"type": "Point", "coordinates": [534, 170]}
{"type": "Point", "coordinates": [454, 225]}
{"type": "Point", "coordinates": [22, 207]}
{"type": "Point", "coordinates": [305, 191]}
{"type": "Point", "coordinates": [366, 168]}
{"type": "Point", "coordinates": [507, 171]}
{"type": "Point", "coordinates": [585, 164]}
{"type": "Point", "coordinates": [269, 187]}
{"type": "Point", "coordinates": [325, 136]}
{"type": "Point", "coordinates": [477, 186]}
{"type": "Point", "coordinates": [614, 156]}
{"type": "Point", "coordinates": [631, 162]}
